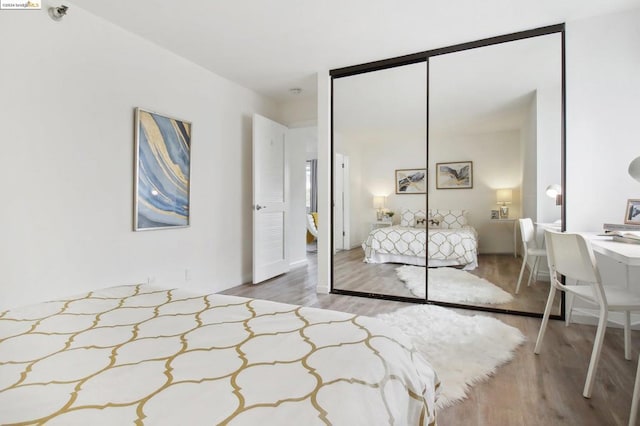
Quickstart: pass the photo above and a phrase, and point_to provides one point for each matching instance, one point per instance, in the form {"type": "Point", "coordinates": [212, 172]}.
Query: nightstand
{"type": "Point", "coordinates": [380, 224]}
{"type": "Point", "coordinates": [514, 222]}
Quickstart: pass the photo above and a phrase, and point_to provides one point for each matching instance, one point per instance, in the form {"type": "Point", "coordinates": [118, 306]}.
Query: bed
{"type": "Point", "coordinates": [444, 234]}
{"type": "Point", "coordinates": [151, 355]}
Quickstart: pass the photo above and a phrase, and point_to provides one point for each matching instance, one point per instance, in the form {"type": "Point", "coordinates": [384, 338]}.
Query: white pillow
{"type": "Point", "coordinates": [420, 221]}
{"type": "Point", "coordinates": [434, 222]}
{"type": "Point", "coordinates": [408, 217]}
{"type": "Point", "coordinates": [451, 219]}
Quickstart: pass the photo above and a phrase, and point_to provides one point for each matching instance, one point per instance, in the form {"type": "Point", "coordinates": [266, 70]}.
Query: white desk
{"type": "Point", "coordinates": [515, 232]}
{"type": "Point", "coordinates": [626, 253]}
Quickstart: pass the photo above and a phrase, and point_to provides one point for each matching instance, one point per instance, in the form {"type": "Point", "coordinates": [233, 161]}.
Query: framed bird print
{"type": "Point", "coordinates": [411, 181]}
{"type": "Point", "coordinates": [454, 175]}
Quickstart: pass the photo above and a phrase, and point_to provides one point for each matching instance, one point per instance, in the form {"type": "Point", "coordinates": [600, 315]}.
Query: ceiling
{"type": "Point", "coordinates": [272, 46]}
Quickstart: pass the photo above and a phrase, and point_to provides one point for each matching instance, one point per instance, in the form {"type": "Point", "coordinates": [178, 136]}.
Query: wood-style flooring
{"type": "Point", "coordinates": [543, 389]}
{"type": "Point", "coordinates": [351, 273]}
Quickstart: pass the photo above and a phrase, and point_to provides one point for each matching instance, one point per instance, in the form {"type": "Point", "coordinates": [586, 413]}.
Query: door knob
{"type": "Point", "coordinates": [259, 207]}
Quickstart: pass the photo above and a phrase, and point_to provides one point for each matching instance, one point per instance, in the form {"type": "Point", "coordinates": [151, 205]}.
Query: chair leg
{"type": "Point", "coordinates": [533, 269]}
{"type": "Point", "coordinates": [545, 319]}
{"type": "Point", "coordinates": [524, 263]}
{"type": "Point", "coordinates": [627, 335]}
{"type": "Point", "coordinates": [569, 308]}
{"type": "Point", "coordinates": [636, 396]}
{"type": "Point", "coordinates": [595, 354]}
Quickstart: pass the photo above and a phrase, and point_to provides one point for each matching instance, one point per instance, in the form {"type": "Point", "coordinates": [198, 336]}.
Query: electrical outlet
{"type": "Point", "coordinates": [187, 274]}
{"type": "Point", "coordinates": [151, 280]}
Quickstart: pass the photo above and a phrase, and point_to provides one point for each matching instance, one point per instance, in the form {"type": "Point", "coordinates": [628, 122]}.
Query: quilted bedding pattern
{"type": "Point", "coordinates": [148, 355]}
{"type": "Point", "coordinates": [458, 244]}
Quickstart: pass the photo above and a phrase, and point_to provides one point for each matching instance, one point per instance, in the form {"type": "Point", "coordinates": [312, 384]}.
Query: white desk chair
{"type": "Point", "coordinates": [571, 255]}
{"type": "Point", "coordinates": [530, 250]}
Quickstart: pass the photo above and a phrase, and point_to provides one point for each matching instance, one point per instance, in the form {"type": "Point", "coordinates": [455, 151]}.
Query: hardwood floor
{"type": "Point", "coordinates": [543, 389]}
{"type": "Point", "coordinates": [503, 270]}
{"type": "Point", "coordinates": [351, 273]}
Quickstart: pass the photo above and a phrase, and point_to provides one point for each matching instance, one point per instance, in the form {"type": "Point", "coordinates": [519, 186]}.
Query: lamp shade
{"type": "Point", "coordinates": [504, 196]}
{"type": "Point", "coordinates": [378, 201]}
{"type": "Point", "coordinates": [634, 169]}
{"type": "Point", "coordinates": [553, 191]}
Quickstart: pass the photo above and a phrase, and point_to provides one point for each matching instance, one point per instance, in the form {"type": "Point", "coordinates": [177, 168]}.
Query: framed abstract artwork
{"type": "Point", "coordinates": [454, 175]}
{"type": "Point", "coordinates": [411, 181]}
{"type": "Point", "coordinates": [163, 164]}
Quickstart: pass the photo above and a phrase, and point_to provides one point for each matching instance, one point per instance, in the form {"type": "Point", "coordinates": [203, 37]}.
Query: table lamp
{"type": "Point", "coordinates": [504, 198]}
{"type": "Point", "coordinates": [554, 191]}
{"type": "Point", "coordinates": [378, 203]}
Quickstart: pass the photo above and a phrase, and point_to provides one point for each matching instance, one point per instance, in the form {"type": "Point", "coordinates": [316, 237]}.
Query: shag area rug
{"type": "Point", "coordinates": [452, 285]}
{"type": "Point", "coordinates": [462, 349]}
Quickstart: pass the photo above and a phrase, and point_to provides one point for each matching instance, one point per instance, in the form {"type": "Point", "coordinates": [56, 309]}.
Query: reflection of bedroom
{"type": "Point", "coordinates": [373, 164]}
{"type": "Point", "coordinates": [243, 298]}
{"type": "Point", "coordinates": [492, 148]}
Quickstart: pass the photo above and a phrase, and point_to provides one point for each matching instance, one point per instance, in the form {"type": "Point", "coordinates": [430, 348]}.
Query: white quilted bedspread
{"type": "Point", "coordinates": [149, 355]}
{"type": "Point", "coordinates": [459, 244]}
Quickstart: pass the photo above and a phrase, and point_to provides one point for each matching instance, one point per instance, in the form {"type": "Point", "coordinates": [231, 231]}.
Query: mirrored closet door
{"type": "Point", "coordinates": [437, 157]}
{"type": "Point", "coordinates": [379, 144]}
{"type": "Point", "coordinates": [495, 145]}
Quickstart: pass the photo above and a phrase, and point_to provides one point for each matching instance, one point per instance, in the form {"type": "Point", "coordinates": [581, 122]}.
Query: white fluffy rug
{"type": "Point", "coordinates": [452, 285]}
{"type": "Point", "coordinates": [462, 349]}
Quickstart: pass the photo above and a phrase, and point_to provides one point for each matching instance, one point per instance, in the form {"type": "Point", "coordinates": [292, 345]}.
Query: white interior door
{"type": "Point", "coordinates": [270, 199]}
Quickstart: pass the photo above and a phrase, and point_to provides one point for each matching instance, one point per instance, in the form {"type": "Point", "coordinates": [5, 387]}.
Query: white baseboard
{"type": "Point", "coordinates": [298, 263]}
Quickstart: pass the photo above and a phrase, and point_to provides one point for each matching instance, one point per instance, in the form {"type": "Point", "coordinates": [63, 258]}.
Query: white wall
{"type": "Point", "coordinates": [299, 112]}
{"type": "Point", "coordinates": [603, 92]}
{"type": "Point", "coordinates": [603, 89]}
{"type": "Point", "coordinates": [496, 164]}
{"type": "Point", "coordinates": [529, 159]}
{"type": "Point", "coordinates": [300, 115]}
{"type": "Point", "coordinates": [373, 162]}
{"type": "Point", "coordinates": [324, 182]}
{"type": "Point", "coordinates": [297, 141]}
{"type": "Point", "coordinates": [68, 91]}
{"type": "Point", "coordinates": [548, 150]}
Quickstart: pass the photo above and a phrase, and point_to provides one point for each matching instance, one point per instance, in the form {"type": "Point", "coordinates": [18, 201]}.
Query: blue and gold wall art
{"type": "Point", "coordinates": [163, 156]}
